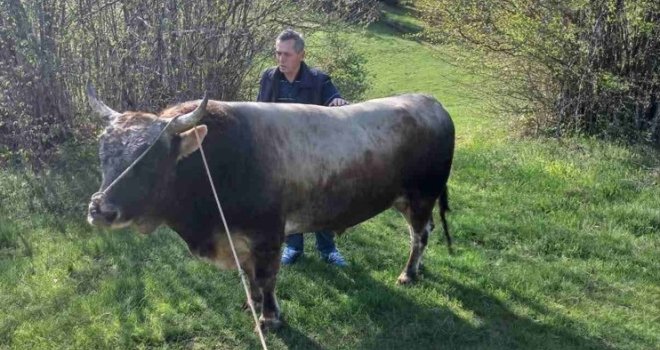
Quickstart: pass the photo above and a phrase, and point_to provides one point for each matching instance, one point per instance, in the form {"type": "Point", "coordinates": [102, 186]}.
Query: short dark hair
{"type": "Point", "coordinates": [290, 34]}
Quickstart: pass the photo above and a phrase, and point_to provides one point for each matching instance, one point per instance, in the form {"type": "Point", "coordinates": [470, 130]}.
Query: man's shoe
{"type": "Point", "coordinates": [334, 258]}
{"type": "Point", "coordinates": [290, 256]}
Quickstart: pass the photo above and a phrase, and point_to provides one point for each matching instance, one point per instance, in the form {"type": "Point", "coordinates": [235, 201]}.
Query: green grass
{"type": "Point", "coordinates": [557, 248]}
{"type": "Point", "coordinates": [401, 19]}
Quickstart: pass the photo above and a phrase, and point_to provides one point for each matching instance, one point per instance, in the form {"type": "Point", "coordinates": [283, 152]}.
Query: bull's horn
{"type": "Point", "coordinates": [99, 107]}
{"type": "Point", "coordinates": [188, 121]}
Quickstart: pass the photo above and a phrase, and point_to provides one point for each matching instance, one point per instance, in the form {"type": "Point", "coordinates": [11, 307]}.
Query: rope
{"type": "Point", "coordinates": [231, 244]}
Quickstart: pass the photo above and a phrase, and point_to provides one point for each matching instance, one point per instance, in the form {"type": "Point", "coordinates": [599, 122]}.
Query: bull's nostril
{"type": "Point", "coordinates": [102, 212]}
{"type": "Point", "coordinates": [106, 215]}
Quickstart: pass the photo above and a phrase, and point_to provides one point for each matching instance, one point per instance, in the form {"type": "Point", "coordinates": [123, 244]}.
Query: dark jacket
{"type": "Point", "coordinates": [315, 87]}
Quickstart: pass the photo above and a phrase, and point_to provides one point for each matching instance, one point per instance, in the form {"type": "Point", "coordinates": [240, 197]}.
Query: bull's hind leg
{"type": "Point", "coordinates": [418, 213]}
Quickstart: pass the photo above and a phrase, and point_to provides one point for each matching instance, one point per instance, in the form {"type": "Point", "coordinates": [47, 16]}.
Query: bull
{"type": "Point", "coordinates": [279, 169]}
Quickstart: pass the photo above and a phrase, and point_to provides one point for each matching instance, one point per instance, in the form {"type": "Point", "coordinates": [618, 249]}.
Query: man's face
{"type": "Point", "coordinates": [288, 60]}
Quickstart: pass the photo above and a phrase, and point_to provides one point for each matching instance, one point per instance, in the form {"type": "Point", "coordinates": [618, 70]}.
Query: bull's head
{"type": "Point", "coordinates": [132, 196]}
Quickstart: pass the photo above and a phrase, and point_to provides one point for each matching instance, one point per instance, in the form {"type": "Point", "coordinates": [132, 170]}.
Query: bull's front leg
{"type": "Point", "coordinates": [255, 292]}
{"type": "Point", "coordinates": [266, 264]}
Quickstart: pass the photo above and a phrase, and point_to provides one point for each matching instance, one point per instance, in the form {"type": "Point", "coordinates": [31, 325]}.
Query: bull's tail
{"type": "Point", "coordinates": [443, 203]}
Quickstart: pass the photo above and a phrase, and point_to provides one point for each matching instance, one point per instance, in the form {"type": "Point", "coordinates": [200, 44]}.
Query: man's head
{"type": "Point", "coordinates": [289, 51]}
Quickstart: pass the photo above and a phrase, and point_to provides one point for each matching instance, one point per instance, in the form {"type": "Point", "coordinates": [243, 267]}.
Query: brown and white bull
{"type": "Point", "coordinates": [279, 169]}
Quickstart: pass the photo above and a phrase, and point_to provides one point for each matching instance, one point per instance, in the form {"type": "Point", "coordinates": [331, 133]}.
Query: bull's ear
{"type": "Point", "coordinates": [189, 140]}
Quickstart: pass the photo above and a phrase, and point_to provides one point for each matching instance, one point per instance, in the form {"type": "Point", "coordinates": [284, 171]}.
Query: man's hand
{"type": "Point", "coordinates": [338, 102]}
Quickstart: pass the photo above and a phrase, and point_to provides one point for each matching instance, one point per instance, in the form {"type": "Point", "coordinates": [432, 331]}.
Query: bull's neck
{"type": "Point", "coordinates": [240, 177]}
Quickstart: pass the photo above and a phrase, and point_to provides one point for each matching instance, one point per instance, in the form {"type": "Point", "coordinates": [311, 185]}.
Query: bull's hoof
{"type": "Point", "coordinates": [405, 278]}
{"type": "Point", "coordinates": [269, 324]}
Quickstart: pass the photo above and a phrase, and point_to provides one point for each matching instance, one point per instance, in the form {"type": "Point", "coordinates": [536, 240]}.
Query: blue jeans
{"type": "Point", "coordinates": [325, 241]}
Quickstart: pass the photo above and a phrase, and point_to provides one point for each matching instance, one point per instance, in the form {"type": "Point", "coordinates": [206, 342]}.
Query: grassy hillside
{"type": "Point", "coordinates": [557, 248]}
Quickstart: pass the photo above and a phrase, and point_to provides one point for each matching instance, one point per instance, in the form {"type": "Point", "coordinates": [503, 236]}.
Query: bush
{"type": "Point", "coordinates": [346, 67]}
{"type": "Point", "coordinates": [570, 66]}
{"type": "Point", "coordinates": [141, 55]}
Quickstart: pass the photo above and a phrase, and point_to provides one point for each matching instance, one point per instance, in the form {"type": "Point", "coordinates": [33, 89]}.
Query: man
{"type": "Point", "coordinates": [292, 81]}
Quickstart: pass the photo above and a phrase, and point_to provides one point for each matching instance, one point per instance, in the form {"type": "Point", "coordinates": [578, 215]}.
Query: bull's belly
{"type": "Point", "coordinates": [336, 213]}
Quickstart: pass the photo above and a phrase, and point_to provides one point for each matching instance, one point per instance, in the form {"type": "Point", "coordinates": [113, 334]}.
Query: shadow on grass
{"type": "Point", "coordinates": [162, 296]}
{"type": "Point", "coordinates": [295, 339]}
{"type": "Point", "coordinates": [394, 318]}
{"type": "Point", "coordinates": [402, 323]}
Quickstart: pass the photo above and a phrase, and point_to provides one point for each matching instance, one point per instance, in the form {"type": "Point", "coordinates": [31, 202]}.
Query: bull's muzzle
{"type": "Point", "coordinates": [100, 212]}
